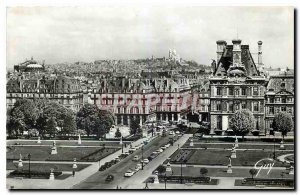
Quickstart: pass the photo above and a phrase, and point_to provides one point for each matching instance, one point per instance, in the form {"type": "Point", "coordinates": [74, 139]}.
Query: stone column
{"type": "Point", "coordinates": [172, 117]}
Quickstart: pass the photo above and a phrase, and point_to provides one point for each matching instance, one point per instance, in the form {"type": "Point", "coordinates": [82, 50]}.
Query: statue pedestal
{"type": "Point", "coordinates": [191, 143]}
{"type": "Point", "coordinates": [51, 176]}
{"type": "Point", "coordinates": [229, 170]}
{"type": "Point", "coordinates": [39, 140]}
{"type": "Point", "coordinates": [54, 150]}
{"type": "Point", "coordinates": [79, 140]}
{"type": "Point", "coordinates": [291, 172]}
{"type": "Point", "coordinates": [233, 154]}
{"type": "Point", "coordinates": [156, 180]}
{"type": "Point", "coordinates": [20, 164]}
{"type": "Point", "coordinates": [281, 145]}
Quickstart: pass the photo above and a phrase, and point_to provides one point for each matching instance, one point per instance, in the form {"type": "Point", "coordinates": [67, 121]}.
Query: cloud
{"type": "Point", "coordinates": [59, 34]}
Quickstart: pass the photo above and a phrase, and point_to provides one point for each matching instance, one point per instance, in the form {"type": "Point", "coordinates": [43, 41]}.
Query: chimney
{"type": "Point", "coordinates": [237, 52]}
{"type": "Point", "coordinates": [221, 45]}
{"type": "Point", "coordinates": [259, 61]}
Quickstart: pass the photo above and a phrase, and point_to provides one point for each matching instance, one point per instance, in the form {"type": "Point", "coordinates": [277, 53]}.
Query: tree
{"type": "Point", "coordinates": [87, 118]}
{"type": "Point", "coordinates": [283, 123]}
{"type": "Point", "coordinates": [242, 122]}
{"type": "Point", "coordinates": [161, 169]}
{"type": "Point", "coordinates": [118, 133]}
{"type": "Point", "coordinates": [51, 126]}
{"type": "Point", "coordinates": [203, 171]}
{"type": "Point", "coordinates": [69, 124]}
{"type": "Point", "coordinates": [134, 126]}
{"type": "Point", "coordinates": [253, 172]}
{"type": "Point", "coordinates": [106, 120]}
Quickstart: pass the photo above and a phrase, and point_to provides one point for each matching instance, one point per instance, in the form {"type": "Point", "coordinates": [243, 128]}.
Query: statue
{"type": "Point", "coordinates": [213, 65]}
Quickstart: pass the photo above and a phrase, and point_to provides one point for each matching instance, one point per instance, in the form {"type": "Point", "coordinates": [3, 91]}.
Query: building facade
{"type": "Point", "coordinates": [279, 98]}
{"type": "Point", "coordinates": [236, 84]}
{"type": "Point", "coordinates": [62, 89]}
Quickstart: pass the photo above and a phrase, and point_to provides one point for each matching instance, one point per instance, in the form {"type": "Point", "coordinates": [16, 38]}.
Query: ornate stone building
{"type": "Point", "coordinates": [279, 97]}
{"type": "Point", "coordinates": [62, 89]}
{"type": "Point", "coordinates": [236, 83]}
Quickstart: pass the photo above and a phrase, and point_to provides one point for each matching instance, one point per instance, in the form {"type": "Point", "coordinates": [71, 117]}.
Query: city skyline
{"type": "Point", "coordinates": [88, 34]}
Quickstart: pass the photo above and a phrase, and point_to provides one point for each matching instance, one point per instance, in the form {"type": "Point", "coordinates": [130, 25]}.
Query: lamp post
{"type": "Point", "coordinates": [29, 156]}
{"type": "Point", "coordinates": [122, 144]}
{"type": "Point", "coordinates": [142, 157]}
{"type": "Point", "coordinates": [181, 172]}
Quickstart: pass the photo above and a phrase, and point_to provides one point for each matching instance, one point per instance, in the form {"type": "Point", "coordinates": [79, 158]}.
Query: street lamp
{"type": "Point", "coordinates": [29, 156]}
{"type": "Point", "coordinates": [142, 157]}
{"type": "Point", "coordinates": [122, 143]}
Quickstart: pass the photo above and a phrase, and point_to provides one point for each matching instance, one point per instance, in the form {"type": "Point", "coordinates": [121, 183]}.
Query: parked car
{"type": "Point", "coordinates": [146, 161]}
{"type": "Point", "coordinates": [163, 147]}
{"type": "Point", "coordinates": [171, 132]}
{"type": "Point", "coordinates": [131, 150]}
{"type": "Point", "coordinates": [159, 150]}
{"type": "Point", "coordinates": [167, 145]}
{"type": "Point", "coordinates": [117, 159]}
{"type": "Point", "coordinates": [136, 158]}
{"type": "Point", "coordinates": [177, 132]}
{"type": "Point", "coordinates": [139, 166]}
{"type": "Point", "coordinates": [129, 173]}
{"type": "Point", "coordinates": [109, 178]}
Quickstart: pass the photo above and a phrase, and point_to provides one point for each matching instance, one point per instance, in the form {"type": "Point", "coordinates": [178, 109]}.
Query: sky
{"type": "Point", "coordinates": [69, 34]}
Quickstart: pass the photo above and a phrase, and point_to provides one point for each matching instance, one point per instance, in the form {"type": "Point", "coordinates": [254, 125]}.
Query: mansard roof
{"type": "Point", "coordinates": [227, 58]}
{"type": "Point", "coordinates": [281, 83]}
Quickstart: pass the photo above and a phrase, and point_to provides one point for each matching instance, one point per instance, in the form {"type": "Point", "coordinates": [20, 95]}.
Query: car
{"type": "Point", "coordinates": [171, 132]}
{"type": "Point", "coordinates": [177, 132]}
{"type": "Point", "coordinates": [146, 161]}
{"type": "Point", "coordinates": [129, 173]}
{"type": "Point", "coordinates": [163, 147]}
{"type": "Point", "coordinates": [159, 151]}
{"type": "Point", "coordinates": [155, 152]}
{"type": "Point", "coordinates": [117, 159]}
{"type": "Point", "coordinates": [109, 178]}
{"type": "Point", "coordinates": [136, 158]}
{"type": "Point", "coordinates": [131, 150]}
{"type": "Point", "coordinates": [139, 165]}
{"type": "Point", "coordinates": [153, 155]}
{"type": "Point", "coordinates": [136, 169]}
{"type": "Point", "coordinates": [167, 145]}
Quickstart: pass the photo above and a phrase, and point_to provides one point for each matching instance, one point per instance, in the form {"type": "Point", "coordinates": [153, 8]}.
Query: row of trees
{"type": "Point", "coordinates": [49, 118]}
{"type": "Point", "coordinates": [243, 122]}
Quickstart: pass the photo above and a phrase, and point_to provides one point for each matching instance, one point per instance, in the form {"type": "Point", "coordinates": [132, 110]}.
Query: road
{"type": "Point", "coordinates": [97, 180]}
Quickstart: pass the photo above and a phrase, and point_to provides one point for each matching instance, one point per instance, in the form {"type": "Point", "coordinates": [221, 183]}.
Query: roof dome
{"type": "Point", "coordinates": [34, 66]}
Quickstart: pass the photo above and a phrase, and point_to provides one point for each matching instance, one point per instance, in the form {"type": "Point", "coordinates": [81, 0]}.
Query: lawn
{"type": "Point", "coordinates": [44, 167]}
{"type": "Point", "coordinates": [65, 143]}
{"type": "Point", "coordinates": [241, 146]}
{"type": "Point", "coordinates": [219, 157]}
{"type": "Point", "coordinates": [42, 153]}
{"type": "Point", "coordinates": [221, 172]}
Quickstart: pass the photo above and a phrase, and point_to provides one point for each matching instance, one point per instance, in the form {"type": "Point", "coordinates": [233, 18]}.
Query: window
{"type": "Point", "coordinates": [218, 91]}
{"type": "Point", "coordinates": [119, 110]}
{"type": "Point", "coordinates": [283, 108]}
{"type": "Point", "coordinates": [230, 91]}
{"type": "Point", "coordinates": [255, 91]}
{"type": "Point", "coordinates": [243, 105]}
{"type": "Point", "coordinates": [231, 106]}
{"type": "Point", "coordinates": [283, 100]}
{"type": "Point", "coordinates": [255, 106]}
{"type": "Point", "coordinates": [282, 85]}
{"type": "Point", "coordinates": [219, 122]}
{"type": "Point", "coordinates": [243, 91]}
{"type": "Point", "coordinates": [237, 92]}
{"type": "Point", "coordinates": [271, 99]}
{"type": "Point", "coordinates": [271, 110]}
{"type": "Point", "coordinates": [218, 105]}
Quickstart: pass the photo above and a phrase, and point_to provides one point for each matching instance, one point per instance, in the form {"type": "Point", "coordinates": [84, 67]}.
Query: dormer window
{"type": "Point", "coordinates": [282, 85]}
